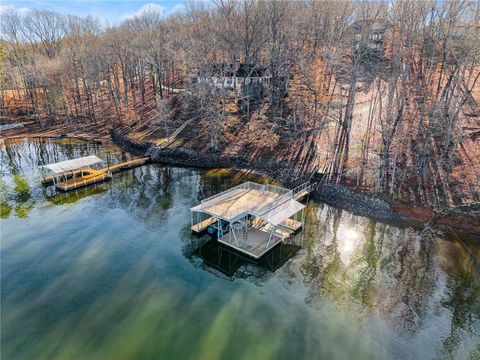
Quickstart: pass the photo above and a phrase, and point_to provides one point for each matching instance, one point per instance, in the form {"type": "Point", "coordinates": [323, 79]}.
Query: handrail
{"type": "Point", "coordinates": [225, 192]}
{"type": "Point", "coordinates": [307, 187]}
{"type": "Point", "coordinates": [276, 189]}
{"type": "Point", "coordinates": [248, 185]}
{"type": "Point", "coordinates": [301, 187]}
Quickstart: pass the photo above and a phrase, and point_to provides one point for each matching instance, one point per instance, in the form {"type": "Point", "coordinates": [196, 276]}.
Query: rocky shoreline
{"type": "Point", "coordinates": [329, 193]}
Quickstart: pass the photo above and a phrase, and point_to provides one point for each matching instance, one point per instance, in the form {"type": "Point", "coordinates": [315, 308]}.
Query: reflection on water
{"type": "Point", "coordinates": [113, 271]}
{"type": "Point", "coordinates": [221, 259]}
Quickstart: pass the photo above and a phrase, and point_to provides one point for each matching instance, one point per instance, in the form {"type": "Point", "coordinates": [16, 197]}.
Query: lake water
{"type": "Point", "coordinates": [112, 271]}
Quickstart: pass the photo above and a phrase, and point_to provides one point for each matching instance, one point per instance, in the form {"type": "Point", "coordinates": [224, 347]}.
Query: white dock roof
{"type": "Point", "coordinates": [73, 164]}
{"type": "Point", "coordinates": [271, 203]}
{"type": "Point", "coordinates": [284, 211]}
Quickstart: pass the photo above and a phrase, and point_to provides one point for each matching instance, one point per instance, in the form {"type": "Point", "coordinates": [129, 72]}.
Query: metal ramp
{"type": "Point", "coordinates": [303, 190]}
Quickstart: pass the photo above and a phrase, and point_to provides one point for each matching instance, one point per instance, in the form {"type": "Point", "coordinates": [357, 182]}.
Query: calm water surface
{"type": "Point", "coordinates": [113, 272]}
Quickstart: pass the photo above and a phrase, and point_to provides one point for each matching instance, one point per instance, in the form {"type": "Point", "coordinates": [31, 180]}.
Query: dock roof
{"type": "Point", "coordinates": [283, 211]}
{"type": "Point", "coordinates": [274, 204]}
{"type": "Point", "coordinates": [73, 164]}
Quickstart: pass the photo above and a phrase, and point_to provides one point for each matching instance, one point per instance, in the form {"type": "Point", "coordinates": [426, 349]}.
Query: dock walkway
{"type": "Point", "coordinates": [201, 226]}
{"type": "Point", "coordinates": [126, 165]}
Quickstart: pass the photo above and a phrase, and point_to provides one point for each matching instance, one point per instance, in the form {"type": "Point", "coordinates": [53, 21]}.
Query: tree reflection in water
{"type": "Point", "coordinates": [368, 267]}
{"type": "Point", "coordinates": [413, 284]}
{"type": "Point", "coordinates": [230, 264]}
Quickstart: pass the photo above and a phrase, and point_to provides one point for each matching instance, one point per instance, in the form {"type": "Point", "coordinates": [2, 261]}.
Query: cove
{"type": "Point", "coordinates": [113, 271]}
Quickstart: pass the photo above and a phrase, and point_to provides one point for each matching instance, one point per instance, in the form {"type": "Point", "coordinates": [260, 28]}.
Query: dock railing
{"type": "Point", "coordinates": [304, 189]}
{"type": "Point", "coordinates": [245, 186]}
{"type": "Point", "coordinates": [276, 189]}
{"type": "Point", "coordinates": [224, 193]}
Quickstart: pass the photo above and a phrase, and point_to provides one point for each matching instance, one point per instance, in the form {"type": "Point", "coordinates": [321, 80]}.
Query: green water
{"type": "Point", "coordinates": [113, 272]}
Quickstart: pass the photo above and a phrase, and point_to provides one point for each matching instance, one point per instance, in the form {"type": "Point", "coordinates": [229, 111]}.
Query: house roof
{"type": "Point", "coordinates": [372, 25]}
{"type": "Point", "coordinates": [222, 69]}
{"type": "Point", "coordinates": [228, 69]}
{"type": "Point", "coordinates": [73, 164]}
{"type": "Point", "coordinates": [250, 70]}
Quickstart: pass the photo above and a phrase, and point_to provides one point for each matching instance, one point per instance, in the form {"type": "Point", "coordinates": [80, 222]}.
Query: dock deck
{"type": "Point", "coordinates": [94, 176]}
{"type": "Point", "coordinates": [291, 224]}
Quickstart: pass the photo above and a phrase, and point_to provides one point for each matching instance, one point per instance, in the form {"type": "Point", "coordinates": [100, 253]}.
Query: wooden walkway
{"type": "Point", "coordinates": [126, 165]}
{"type": "Point", "coordinates": [173, 137]}
{"type": "Point", "coordinates": [74, 179]}
{"type": "Point", "coordinates": [292, 224]}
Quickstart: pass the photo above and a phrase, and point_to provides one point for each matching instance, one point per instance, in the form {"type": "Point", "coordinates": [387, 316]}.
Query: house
{"type": "Point", "coordinates": [240, 79]}
{"type": "Point", "coordinates": [370, 35]}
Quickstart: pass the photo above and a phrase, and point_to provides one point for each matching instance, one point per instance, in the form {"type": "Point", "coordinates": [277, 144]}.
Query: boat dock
{"type": "Point", "coordinates": [252, 218]}
{"type": "Point", "coordinates": [89, 176]}
{"type": "Point", "coordinates": [72, 174]}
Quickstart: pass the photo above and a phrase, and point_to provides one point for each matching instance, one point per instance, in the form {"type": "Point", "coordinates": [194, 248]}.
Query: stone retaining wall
{"type": "Point", "coordinates": [330, 193]}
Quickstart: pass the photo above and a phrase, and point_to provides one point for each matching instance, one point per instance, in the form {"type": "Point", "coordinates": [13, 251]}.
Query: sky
{"type": "Point", "coordinates": [108, 11]}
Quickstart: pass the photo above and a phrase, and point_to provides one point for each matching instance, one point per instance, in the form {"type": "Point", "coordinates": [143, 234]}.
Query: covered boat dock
{"type": "Point", "coordinates": [252, 218]}
{"type": "Point", "coordinates": [72, 174]}
{"type": "Point", "coordinates": [75, 173]}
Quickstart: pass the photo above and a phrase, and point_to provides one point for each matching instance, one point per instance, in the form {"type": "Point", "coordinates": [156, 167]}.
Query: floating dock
{"type": "Point", "coordinates": [76, 173]}
{"type": "Point", "coordinates": [252, 218]}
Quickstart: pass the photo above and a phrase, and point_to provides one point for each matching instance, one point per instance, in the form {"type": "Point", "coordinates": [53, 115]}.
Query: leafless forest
{"type": "Point", "coordinates": [381, 97]}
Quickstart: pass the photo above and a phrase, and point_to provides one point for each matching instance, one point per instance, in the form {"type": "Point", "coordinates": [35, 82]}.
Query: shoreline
{"type": "Point", "coordinates": [332, 194]}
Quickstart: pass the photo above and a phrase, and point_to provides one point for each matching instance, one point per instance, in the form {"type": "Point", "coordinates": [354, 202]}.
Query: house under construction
{"type": "Point", "coordinates": [252, 218]}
